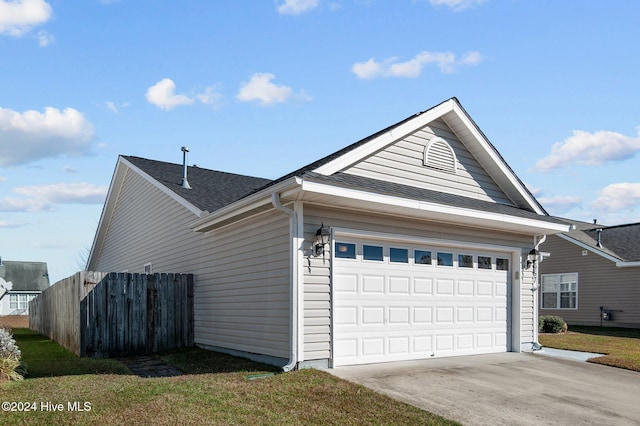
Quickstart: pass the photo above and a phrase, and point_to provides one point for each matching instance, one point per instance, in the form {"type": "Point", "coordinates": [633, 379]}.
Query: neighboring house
{"type": "Point", "coordinates": [426, 224]}
{"type": "Point", "coordinates": [24, 281]}
{"type": "Point", "coordinates": [593, 275]}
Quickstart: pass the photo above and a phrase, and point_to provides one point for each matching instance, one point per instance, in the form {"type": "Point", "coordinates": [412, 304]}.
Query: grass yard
{"type": "Point", "coordinates": [218, 389]}
{"type": "Point", "coordinates": [621, 345]}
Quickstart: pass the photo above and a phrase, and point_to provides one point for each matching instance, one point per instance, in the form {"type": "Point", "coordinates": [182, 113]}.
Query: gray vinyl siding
{"type": "Point", "coordinates": [600, 283]}
{"type": "Point", "coordinates": [402, 162]}
{"type": "Point", "coordinates": [317, 289]}
{"type": "Point", "coordinates": [242, 299]}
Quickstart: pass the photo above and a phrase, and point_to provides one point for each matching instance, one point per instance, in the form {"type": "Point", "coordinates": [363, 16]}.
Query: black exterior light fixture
{"type": "Point", "coordinates": [323, 235]}
{"type": "Point", "coordinates": [532, 258]}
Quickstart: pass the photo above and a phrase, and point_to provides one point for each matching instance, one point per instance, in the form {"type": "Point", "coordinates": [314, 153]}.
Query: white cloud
{"type": "Point", "coordinates": [618, 196]}
{"type": "Point", "coordinates": [69, 169]}
{"type": "Point", "coordinates": [560, 204]}
{"type": "Point", "coordinates": [6, 224]}
{"type": "Point", "coordinates": [44, 38]}
{"type": "Point", "coordinates": [592, 149]}
{"type": "Point", "coordinates": [17, 18]}
{"type": "Point", "coordinates": [210, 96]}
{"type": "Point", "coordinates": [44, 197]}
{"type": "Point", "coordinates": [390, 67]}
{"type": "Point", "coordinates": [162, 94]}
{"type": "Point", "coordinates": [30, 136]}
{"type": "Point", "coordinates": [260, 88]}
{"type": "Point", "coordinates": [457, 5]}
{"type": "Point", "coordinates": [3, 179]}
{"type": "Point", "coordinates": [296, 7]}
{"type": "Point", "coordinates": [111, 106]}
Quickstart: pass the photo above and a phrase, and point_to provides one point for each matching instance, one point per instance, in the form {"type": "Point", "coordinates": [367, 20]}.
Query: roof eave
{"type": "Point", "coordinates": [213, 220]}
{"type": "Point", "coordinates": [365, 200]}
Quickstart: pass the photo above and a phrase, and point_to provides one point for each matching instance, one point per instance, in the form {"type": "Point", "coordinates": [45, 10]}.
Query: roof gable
{"type": "Point", "coordinates": [620, 243]}
{"type": "Point", "coordinates": [210, 189]}
{"type": "Point", "coordinates": [483, 172]}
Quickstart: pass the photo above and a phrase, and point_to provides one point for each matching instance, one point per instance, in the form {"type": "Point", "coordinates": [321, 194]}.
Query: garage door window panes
{"type": "Point", "coordinates": [445, 259]}
{"type": "Point", "coordinates": [502, 264]}
{"type": "Point", "coordinates": [465, 261]}
{"type": "Point", "coordinates": [398, 255]}
{"type": "Point", "coordinates": [484, 262]}
{"type": "Point", "coordinates": [345, 250]}
{"type": "Point", "coordinates": [422, 257]}
{"type": "Point", "coordinates": [372, 253]}
{"type": "Point", "coordinates": [560, 291]}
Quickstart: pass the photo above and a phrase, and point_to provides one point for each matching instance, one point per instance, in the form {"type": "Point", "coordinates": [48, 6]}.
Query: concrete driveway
{"type": "Point", "coordinates": [508, 389]}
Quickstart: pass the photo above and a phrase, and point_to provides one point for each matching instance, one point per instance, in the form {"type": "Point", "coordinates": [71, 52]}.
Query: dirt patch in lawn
{"type": "Point", "coordinates": [14, 321]}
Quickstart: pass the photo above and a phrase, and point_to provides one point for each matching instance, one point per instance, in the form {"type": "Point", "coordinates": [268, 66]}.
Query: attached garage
{"type": "Point", "coordinates": [408, 299]}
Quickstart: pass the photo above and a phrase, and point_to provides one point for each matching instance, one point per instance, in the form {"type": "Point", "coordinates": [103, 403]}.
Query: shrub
{"type": "Point", "coordinates": [10, 365]}
{"type": "Point", "coordinates": [551, 324]}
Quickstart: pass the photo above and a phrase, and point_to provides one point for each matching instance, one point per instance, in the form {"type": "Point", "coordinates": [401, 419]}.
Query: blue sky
{"type": "Point", "coordinates": [264, 87]}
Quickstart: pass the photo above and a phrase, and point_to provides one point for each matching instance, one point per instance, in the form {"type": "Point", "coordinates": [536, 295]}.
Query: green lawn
{"type": "Point", "coordinates": [621, 346]}
{"type": "Point", "coordinates": [219, 389]}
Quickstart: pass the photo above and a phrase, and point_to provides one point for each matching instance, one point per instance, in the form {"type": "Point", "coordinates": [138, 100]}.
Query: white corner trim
{"type": "Point", "coordinates": [385, 139]}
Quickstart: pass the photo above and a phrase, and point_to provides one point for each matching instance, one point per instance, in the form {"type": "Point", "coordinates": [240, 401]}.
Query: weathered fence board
{"type": "Point", "coordinates": [121, 314]}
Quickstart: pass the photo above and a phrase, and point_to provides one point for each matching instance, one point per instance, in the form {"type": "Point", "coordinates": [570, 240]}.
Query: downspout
{"type": "Point", "coordinates": [536, 346]}
{"type": "Point", "coordinates": [293, 293]}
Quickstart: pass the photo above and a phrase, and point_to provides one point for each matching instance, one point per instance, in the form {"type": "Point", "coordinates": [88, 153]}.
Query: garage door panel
{"type": "Point", "coordinates": [385, 311]}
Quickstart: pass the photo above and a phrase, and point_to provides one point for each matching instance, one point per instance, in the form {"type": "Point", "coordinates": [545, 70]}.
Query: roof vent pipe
{"type": "Point", "coordinates": [599, 240]}
{"type": "Point", "coordinates": [185, 182]}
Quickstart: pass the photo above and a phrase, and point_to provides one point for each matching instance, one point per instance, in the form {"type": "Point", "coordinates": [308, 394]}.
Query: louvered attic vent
{"type": "Point", "coordinates": [439, 155]}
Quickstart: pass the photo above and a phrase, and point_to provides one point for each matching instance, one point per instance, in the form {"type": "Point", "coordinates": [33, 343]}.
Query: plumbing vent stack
{"type": "Point", "coordinates": [599, 240]}
{"type": "Point", "coordinates": [185, 182]}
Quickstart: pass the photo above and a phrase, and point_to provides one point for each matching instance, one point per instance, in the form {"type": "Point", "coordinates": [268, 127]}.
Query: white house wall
{"type": "Point", "coordinates": [317, 306]}
{"type": "Point", "coordinates": [241, 299]}
{"type": "Point", "coordinates": [402, 162]}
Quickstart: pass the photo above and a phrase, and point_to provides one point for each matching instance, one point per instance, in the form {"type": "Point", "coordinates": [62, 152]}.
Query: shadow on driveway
{"type": "Point", "coordinates": [508, 389]}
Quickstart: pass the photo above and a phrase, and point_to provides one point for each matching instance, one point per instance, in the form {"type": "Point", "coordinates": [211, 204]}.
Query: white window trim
{"type": "Point", "coordinates": [558, 307]}
{"type": "Point", "coordinates": [150, 268]}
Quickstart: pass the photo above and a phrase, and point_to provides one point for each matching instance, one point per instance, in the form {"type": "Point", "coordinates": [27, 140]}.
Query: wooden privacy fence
{"type": "Point", "coordinates": [116, 313]}
{"type": "Point", "coordinates": [137, 314]}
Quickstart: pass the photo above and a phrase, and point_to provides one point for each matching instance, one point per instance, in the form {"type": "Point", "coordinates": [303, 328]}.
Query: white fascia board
{"type": "Point", "coordinates": [385, 139]}
{"type": "Point", "coordinates": [467, 216]}
{"type": "Point", "coordinates": [590, 248]}
{"type": "Point", "coordinates": [244, 205]}
{"type": "Point", "coordinates": [627, 264]}
{"type": "Point", "coordinates": [107, 209]}
{"type": "Point", "coordinates": [193, 209]}
{"type": "Point", "coordinates": [496, 159]}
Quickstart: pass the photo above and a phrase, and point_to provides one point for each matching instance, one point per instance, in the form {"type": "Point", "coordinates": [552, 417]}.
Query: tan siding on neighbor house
{"type": "Point", "coordinates": [317, 289]}
{"type": "Point", "coordinates": [402, 162]}
{"type": "Point", "coordinates": [600, 283]}
{"type": "Point", "coordinates": [241, 296]}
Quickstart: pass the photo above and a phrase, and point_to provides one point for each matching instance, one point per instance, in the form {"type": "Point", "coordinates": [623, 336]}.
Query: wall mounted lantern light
{"type": "Point", "coordinates": [323, 235]}
{"type": "Point", "coordinates": [532, 257]}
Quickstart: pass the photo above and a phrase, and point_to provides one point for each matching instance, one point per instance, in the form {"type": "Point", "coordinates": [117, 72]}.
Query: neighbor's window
{"type": "Point", "coordinates": [560, 291]}
{"type": "Point", "coordinates": [13, 301]}
{"type": "Point", "coordinates": [345, 250]}
{"type": "Point", "coordinates": [445, 259]}
{"type": "Point", "coordinates": [399, 255]}
{"type": "Point", "coordinates": [422, 257]}
{"type": "Point", "coordinates": [465, 261]}
{"type": "Point", "coordinates": [372, 252]}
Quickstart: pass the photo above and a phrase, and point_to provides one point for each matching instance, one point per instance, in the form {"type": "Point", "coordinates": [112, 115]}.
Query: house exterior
{"type": "Point", "coordinates": [20, 282]}
{"type": "Point", "coordinates": [593, 275]}
{"type": "Point", "coordinates": [426, 227]}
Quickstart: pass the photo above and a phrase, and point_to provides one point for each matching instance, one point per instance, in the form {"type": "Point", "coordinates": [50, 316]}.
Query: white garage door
{"type": "Point", "coordinates": [396, 301]}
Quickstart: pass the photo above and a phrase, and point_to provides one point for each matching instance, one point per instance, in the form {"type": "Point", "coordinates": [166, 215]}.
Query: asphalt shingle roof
{"type": "Point", "coordinates": [211, 189]}
{"type": "Point", "coordinates": [25, 276]}
{"type": "Point", "coordinates": [620, 241]}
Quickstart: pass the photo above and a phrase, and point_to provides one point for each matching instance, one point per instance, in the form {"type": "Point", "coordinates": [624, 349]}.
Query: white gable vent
{"type": "Point", "coordinates": [439, 155]}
